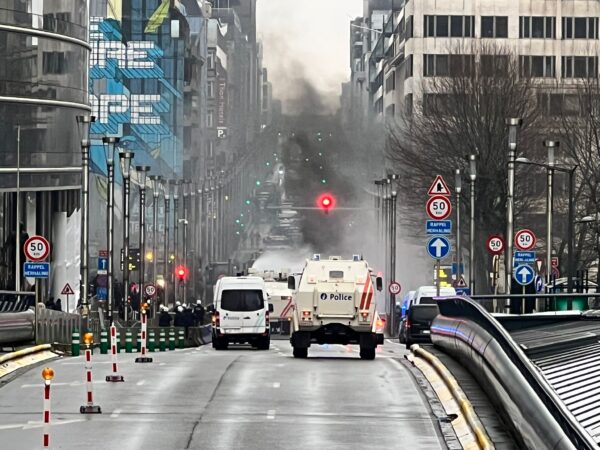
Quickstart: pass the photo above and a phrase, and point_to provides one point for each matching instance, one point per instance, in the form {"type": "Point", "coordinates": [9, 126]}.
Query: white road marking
{"type": "Point", "coordinates": [162, 364]}
{"type": "Point", "coordinates": [271, 414]}
{"type": "Point", "coordinates": [115, 414]}
{"type": "Point", "coordinates": [140, 383]}
{"type": "Point", "coordinates": [80, 363]}
{"type": "Point", "coordinates": [72, 383]}
{"type": "Point", "coordinates": [38, 424]}
{"type": "Point", "coordinates": [279, 365]}
{"type": "Point", "coordinates": [276, 385]}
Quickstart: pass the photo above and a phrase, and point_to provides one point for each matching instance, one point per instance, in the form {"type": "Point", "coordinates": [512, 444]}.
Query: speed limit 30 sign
{"type": "Point", "coordinates": [439, 207]}
{"type": "Point", "coordinates": [36, 248]}
{"type": "Point", "coordinates": [525, 240]}
{"type": "Point", "coordinates": [495, 244]}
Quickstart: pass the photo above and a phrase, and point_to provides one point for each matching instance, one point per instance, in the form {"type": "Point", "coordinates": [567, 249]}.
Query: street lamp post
{"type": "Point", "coordinates": [109, 150]}
{"type": "Point", "coordinates": [472, 177]}
{"type": "Point", "coordinates": [513, 126]}
{"type": "Point", "coordinates": [84, 123]}
{"type": "Point", "coordinates": [126, 158]}
{"type": "Point", "coordinates": [458, 189]}
{"type": "Point", "coordinates": [550, 146]}
{"type": "Point", "coordinates": [186, 194]}
{"type": "Point", "coordinates": [166, 272]}
{"type": "Point", "coordinates": [156, 179]}
{"type": "Point", "coordinates": [142, 173]}
{"type": "Point", "coordinates": [393, 324]}
{"type": "Point", "coordinates": [176, 184]}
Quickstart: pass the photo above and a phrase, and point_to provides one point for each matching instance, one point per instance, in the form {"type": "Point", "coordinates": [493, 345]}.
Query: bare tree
{"type": "Point", "coordinates": [459, 114]}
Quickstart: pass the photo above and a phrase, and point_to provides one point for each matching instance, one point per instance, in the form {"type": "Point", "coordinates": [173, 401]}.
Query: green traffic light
{"type": "Point", "coordinates": [257, 182]}
{"type": "Point", "coordinates": [237, 221]}
{"type": "Point", "coordinates": [324, 181]}
{"type": "Point", "coordinates": [248, 202]}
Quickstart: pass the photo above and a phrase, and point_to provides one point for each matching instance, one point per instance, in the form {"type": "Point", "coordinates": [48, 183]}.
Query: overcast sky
{"type": "Point", "coordinates": [307, 39]}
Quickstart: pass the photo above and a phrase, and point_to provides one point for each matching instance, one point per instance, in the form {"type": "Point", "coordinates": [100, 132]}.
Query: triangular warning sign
{"type": "Point", "coordinates": [461, 283]}
{"type": "Point", "coordinates": [67, 290]}
{"type": "Point", "coordinates": [439, 187]}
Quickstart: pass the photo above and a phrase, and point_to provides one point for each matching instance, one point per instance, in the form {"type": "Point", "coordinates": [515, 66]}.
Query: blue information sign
{"type": "Point", "coordinates": [36, 270]}
{"type": "Point", "coordinates": [463, 291]}
{"type": "Point", "coordinates": [524, 275]}
{"type": "Point", "coordinates": [102, 263]}
{"type": "Point", "coordinates": [539, 283]}
{"type": "Point", "coordinates": [439, 227]}
{"type": "Point", "coordinates": [523, 258]}
{"type": "Point", "coordinates": [101, 293]}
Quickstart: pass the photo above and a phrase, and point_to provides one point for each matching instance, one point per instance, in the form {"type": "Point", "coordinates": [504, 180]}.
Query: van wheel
{"type": "Point", "coordinates": [367, 353]}
{"type": "Point", "coordinates": [300, 352]}
{"type": "Point", "coordinates": [263, 343]}
{"type": "Point", "coordinates": [220, 344]}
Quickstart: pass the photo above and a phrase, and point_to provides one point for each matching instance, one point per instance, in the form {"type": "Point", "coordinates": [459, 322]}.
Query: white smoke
{"type": "Point", "coordinates": [288, 259]}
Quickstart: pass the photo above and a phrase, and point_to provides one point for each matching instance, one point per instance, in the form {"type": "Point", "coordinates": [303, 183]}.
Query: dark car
{"type": "Point", "coordinates": [402, 331]}
{"type": "Point", "coordinates": [418, 323]}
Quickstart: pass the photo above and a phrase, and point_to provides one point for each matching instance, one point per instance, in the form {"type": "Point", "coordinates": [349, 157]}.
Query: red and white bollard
{"type": "Point", "coordinates": [89, 407]}
{"type": "Point", "coordinates": [47, 375]}
{"type": "Point", "coordinates": [144, 317]}
{"type": "Point", "coordinates": [115, 377]}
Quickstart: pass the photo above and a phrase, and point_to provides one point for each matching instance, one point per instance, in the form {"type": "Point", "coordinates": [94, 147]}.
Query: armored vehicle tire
{"type": "Point", "coordinates": [367, 353]}
{"type": "Point", "coordinates": [263, 343]}
{"type": "Point", "coordinates": [300, 352]}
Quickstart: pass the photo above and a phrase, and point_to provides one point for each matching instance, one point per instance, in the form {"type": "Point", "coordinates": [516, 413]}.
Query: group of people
{"type": "Point", "coordinates": [51, 304]}
{"type": "Point", "coordinates": [185, 315]}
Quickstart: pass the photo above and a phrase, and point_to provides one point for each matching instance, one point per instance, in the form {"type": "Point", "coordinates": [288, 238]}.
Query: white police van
{"type": "Point", "coordinates": [240, 313]}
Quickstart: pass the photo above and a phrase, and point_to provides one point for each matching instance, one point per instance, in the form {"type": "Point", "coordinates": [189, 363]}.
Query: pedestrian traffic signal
{"type": "Point", "coordinates": [326, 202]}
{"type": "Point", "coordinates": [181, 272]}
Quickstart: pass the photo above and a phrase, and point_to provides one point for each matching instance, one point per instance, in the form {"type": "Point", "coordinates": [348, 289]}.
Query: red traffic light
{"type": "Point", "coordinates": [181, 272]}
{"type": "Point", "coordinates": [326, 202]}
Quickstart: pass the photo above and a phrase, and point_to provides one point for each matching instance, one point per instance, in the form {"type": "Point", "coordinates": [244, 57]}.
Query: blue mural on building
{"type": "Point", "coordinates": [133, 98]}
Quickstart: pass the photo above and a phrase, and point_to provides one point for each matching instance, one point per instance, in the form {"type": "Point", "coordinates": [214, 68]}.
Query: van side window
{"type": "Point", "coordinates": [242, 300]}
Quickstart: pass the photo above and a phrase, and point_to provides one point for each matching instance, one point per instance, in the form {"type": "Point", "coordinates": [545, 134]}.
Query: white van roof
{"type": "Point", "coordinates": [431, 291]}
{"type": "Point", "coordinates": [241, 283]}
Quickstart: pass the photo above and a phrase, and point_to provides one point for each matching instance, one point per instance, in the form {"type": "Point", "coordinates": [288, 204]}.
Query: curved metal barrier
{"type": "Point", "coordinates": [466, 331]}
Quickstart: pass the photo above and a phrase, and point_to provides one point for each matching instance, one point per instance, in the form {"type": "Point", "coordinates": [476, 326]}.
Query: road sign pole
{"type": "Point", "coordinates": [513, 126]}
{"type": "Point", "coordinates": [458, 189]}
{"type": "Point", "coordinates": [38, 292]}
{"type": "Point", "coordinates": [438, 263]}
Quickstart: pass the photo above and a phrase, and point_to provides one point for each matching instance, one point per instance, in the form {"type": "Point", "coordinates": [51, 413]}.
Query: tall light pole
{"type": "Point", "coordinates": [513, 126]}
{"type": "Point", "coordinates": [83, 124]}
{"type": "Point", "coordinates": [472, 178]}
{"type": "Point", "coordinates": [155, 179]}
{"type": "Point", "coordinates": [175, 185]}
{"type": "Point", "coordinates": [142, 172]}
{"type": "Point", "coordinates": [126, 158]}
{"type": "Point", "coordinates": [550, 147]}
{"type": "Point", "coordinates": [109, 151]}
{"type": "Point", "coordinates": [186, 195]}
{"type": "Point", "coordinates": [166, 272]}
{"type": "Point", "coordinates": [394, 198]}
{"type": "Point", "coordinates": [458, 189]}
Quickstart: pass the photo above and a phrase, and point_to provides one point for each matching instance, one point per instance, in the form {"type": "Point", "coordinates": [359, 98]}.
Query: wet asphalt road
{"type": "Point", "coordinates": [234, 399]}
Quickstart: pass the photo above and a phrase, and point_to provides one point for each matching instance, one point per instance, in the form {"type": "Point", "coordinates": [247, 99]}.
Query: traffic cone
{"type": "Point", "coordinates": [162, 343]}
{"type": "Point", "coordinates": [151, 341]}
{"type": "Point", "coordinates": [104, 342]}
{"type": "Point", "coordinates": [181, 339]}
{"type": "Point", "coordinates": [171, 339]}
{"type": "Point", "coordinates": [75, 343]}
{"type": "Point", "coordinates": [128, 342]}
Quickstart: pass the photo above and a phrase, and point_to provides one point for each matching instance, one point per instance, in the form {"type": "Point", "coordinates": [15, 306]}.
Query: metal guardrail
{"type": "Point", "coordinates": [469, 333]}
{"type": "Point", "coordinates": [56, 326]}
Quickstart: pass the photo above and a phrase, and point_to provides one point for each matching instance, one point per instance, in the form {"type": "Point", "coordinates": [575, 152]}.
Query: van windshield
{"type": "Point", "coordinates": [242, 300]}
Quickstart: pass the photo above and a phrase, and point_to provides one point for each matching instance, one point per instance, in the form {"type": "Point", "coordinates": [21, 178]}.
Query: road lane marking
{"type": "Point", "coordinates": [115, 414]}
{"type": "Point", "coordinates": [162, 364]}
{"type": "Point", "coordinates": [79, 363]}
{"type": "Point", "coordinates": [140, 383]}
{"type": "Point", "coordinates": [37, 424]}
{"type": "Point", "coordinates": [72, 383]}
{"type": "Point", "coordinates": [276, 385]}
{"type": "Point", "coordinates": [271, 414]}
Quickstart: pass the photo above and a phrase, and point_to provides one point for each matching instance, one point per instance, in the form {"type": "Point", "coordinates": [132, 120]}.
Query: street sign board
{"type": "Point", "coordinates": [463, 291]}
{"type": "Point", "coordinates": [525, 240]}
{"type": "Point", "coordinates": [538, 264]}
{"type": "Point", "coordinates": [555, 272]}
{"type": "Point", "coordinates": [67, 290]}
{"type": "Point", "coordinates": [455, 268]}
{"type": "Point", "coordinates": [438, 207]}
{"type": "Point", "coordinates": [524, 275]}
{"type": "Point", "coordinates": [523, 258]}
{"type": "Point", "coordinates": [439, 187]}
{"type": "Point", "coordinates": [539, 283]}
{"type": "Point", "coordinates": [36, 248]}
{"type": "Point", "coordinates": [102, 265]}
{"type": "Point", "coordinates": [36, 270]}
{"type": "Point", "coordinates": [461, 283]}
{"type": "Point", "coordinates": [495, 244]}
{"type": "Point", "coordinates": [150, 290]}
{"type": "Point", "coordinates": [438, 247]}
{"type": "Point", "coordinates": [554, 261]}
{"type": "Point", "coordinates": [439, 227]}
{"type": "Point", "coordinates": [101, 293]}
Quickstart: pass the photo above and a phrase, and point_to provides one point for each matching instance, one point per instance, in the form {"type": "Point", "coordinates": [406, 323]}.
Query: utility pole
{"type": "Point", "coordinates": [550, 147]}
{"type": "Point", "coordinates": [513, 126]}
{"type": "Point", "coordinates": [458, 189]}
{"type": "Point", "coordinates": [176, 184]}
{"type": "Point", "coordinates": [166, 272]}
{"type": "Point", "coordinates": [109, 150]}
{"type": "Point", "coordinates": [142, 173]}
{"type": "Point", "coordinates": [473, 178]}
{"type": "Point", "coordinates": [126, 158]}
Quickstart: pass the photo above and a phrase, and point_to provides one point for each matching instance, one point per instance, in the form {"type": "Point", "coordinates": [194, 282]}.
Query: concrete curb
{"type": "Point", "coordinates": [25, 358]}
{"type": "Point", "coordinates": [24, 352]}
{"type": "Point", "coordinates": [461, 399]}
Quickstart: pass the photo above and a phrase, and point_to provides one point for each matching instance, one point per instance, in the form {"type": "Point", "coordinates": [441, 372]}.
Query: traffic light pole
{"type": "Point", "coordinates": [126, 157]}
{"type": "Point", "coordinates": [166, 272]}
{"type": "Point", "coordinates": [142, 171]}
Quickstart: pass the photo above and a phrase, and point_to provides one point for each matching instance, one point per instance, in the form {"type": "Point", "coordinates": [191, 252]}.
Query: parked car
{"type": "Point", "coordinates": [418, 323]}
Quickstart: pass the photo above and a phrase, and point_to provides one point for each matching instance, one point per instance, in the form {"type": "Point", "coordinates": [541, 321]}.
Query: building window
{"type": "Point", "coordinates": [408, 105]}
{"type": "Point", "coordinates": [407, 66]}
{"type": "Point", "coordinates": [54, 63]}
{"type": "Point", "coordinates": [580, 27]}
{"type": "Point", "coordinates": [210, 118]}
{"type": "Point", "coordinates": [449, 26]}
{"type": "Point", "coordinates": [537, 27]}
{"type": "Point", "coordinates": [494, 65]}
{"type": "Point", "coordinates": [211, 149]}
{"type": "Point", "coordinates": [494, 26]}
{"type": "Point", "coordinates": [211, 60]}
{"type": "Point", "coordinates": [390, 111]}
{"type": "Point", "coordinates": [537, 66]}
{"type": "Point", "coordinates": [390, 82]}
{"type": "Point", "coordinates": [447, 65]}
{"type": "Point", "coordinates": [210, 89]}
{"type": "Point", "coordinates": [580, 66]}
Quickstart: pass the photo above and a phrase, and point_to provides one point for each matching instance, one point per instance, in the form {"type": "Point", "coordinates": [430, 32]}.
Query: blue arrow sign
{"type": "Point", "coordinates": [463, 291]}
{"type": "Point", "coordinates": [102, 263]}
{"type": "Point", "coordinates": [438, 247]}
{"type": "Point", "coordinates": [539, 283]}
{"type": "Point", "coordinates": [438, 227]}
{"type": "Point", "coordinates": [523, 258]}
{"type": "Point", "coordinates": [524, 275]}
{"type": "Point", "coordinates": [36, 270]}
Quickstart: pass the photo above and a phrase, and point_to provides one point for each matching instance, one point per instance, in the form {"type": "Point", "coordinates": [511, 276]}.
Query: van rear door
{"type": "Point", "coordinates": [243, 311]}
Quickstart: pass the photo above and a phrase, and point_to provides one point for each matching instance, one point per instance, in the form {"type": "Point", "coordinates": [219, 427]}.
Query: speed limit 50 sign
{"type": "Point", "coordinates": [439, 207]}
{"type": "Point", "coordinates": [525, 239]}
{"type": "Point", "coordinates": [495, 244]}
{"type": "Point", "coordinates": [36, 248]}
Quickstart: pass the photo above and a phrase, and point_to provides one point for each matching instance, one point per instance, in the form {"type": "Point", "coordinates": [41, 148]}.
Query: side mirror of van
{"type": "Point", "coordinates": [271, 307]}
{"type": "Point", "coordinates": [292, 283]}
{"type": "Point", "coordinates": [379, 283]}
